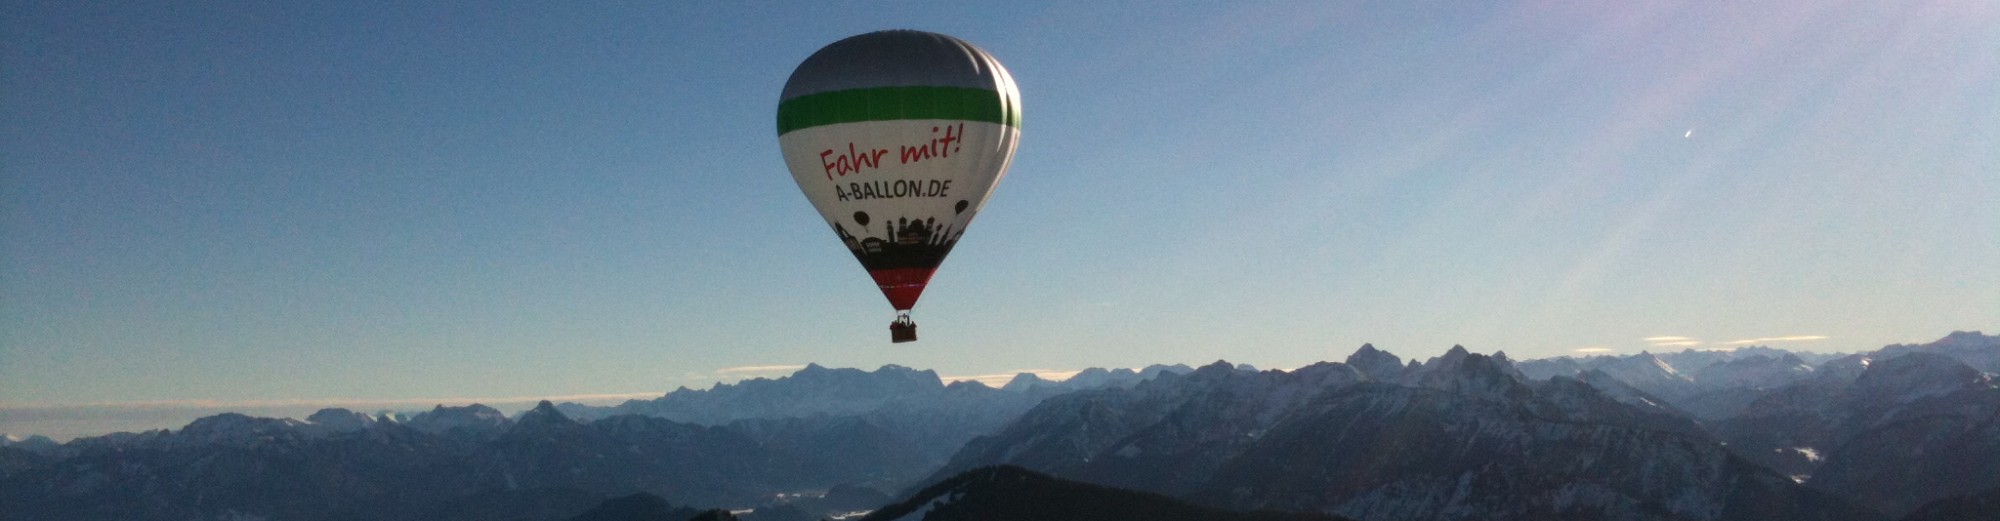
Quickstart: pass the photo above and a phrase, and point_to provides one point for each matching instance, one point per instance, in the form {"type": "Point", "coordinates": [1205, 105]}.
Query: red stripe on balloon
{"type": "Point", "coordinates": [902, 285]}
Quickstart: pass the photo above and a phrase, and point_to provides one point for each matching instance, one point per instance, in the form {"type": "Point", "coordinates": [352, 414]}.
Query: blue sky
{"type": "Point", "coordinates": [268, 202]}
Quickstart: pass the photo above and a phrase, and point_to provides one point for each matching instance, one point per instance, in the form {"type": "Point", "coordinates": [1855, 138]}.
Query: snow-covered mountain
{"type": "Point", "coordinates": [820, 391]}
{"type": "Point", "coordinates": [1651, 374]}
{"type": "Point", "coordinates": [1709, 384]}
{"type": "Point", "coordinates": [1894, 428]}
{"type": "Point", "coordinates": [1754, 372]}
{"type": "Point", "coordinates": [1912, 429]}
{"type": "Point", "coordinates": [341, 420]}
{"type": "Point", "coordinates": [813, 391]}
{"type": "Point", "coordinates": [474, 420]}
{"type": "Point", "coordinates": [37, 444]}
{"type": "Point", "coordinates": [1800, 413]}
{"type": "Point", "coordinates": [1755, 433]}
{"type": "Point", "coordinates": [897, 422]}
{"type": "Point", "coordinates": [1460, 436]}
{"type": "Point", "coordinates": [815, 429]}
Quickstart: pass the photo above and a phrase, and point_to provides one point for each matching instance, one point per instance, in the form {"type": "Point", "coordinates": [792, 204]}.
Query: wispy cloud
{"type": "Point", "coordinates": [760, 369]}
{"type": "Point", "coordinates": [1593, 350]}
{"type": "Point", "coordinates": [1771, 339]}
{"type": "Point", "coordinates": [1671, 341]}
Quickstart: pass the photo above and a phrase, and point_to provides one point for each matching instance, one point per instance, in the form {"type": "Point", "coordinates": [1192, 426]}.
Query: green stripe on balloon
{"type": "Point", "coordinates": [896, 103]}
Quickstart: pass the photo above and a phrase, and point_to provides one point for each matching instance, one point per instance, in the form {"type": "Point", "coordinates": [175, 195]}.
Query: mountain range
{"type": "Point", "coordinates": [1461, 436]}
{"type": "Point", "coordinates": [880, 428]}
{"type": "Point", "coordinates": [1907, 431]}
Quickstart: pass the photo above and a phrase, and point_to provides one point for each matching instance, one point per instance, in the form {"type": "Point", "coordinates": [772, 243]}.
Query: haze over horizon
{"type": "Point", "coordinates": [64, 422]}
{"type": "Point", "coordinates": [243, 203]}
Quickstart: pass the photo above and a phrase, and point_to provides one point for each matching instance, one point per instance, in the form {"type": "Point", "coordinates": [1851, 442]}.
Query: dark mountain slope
{"type": "Point", "coordinates": [1380, 452]}
{"type": "Point", "coordinates": [1009, 493]}
{"type": "Point", "coordinates": [636, 507]}
{"type": "Point", "coordinates": [1982, 506]}
{"type": "Point", "coordinates": [1913, 429]}
{"type": "Point", "coordinates": [1184, 425]}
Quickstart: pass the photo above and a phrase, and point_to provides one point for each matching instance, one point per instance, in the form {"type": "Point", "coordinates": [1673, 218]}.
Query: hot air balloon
{"type": "Point", "coordinates": [897, 138]}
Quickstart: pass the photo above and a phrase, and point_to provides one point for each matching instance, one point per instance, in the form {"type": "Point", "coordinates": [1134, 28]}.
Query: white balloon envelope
{"type": "Point", "coordinates": [898, 138]}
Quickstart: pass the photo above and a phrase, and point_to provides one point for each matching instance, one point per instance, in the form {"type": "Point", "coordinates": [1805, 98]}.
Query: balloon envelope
{"type": "Point", "coordinates": [898, 138]}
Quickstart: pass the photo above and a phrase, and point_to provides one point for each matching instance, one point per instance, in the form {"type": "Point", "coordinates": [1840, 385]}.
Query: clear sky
{"type": "Point", "coordinates": [267, 202]}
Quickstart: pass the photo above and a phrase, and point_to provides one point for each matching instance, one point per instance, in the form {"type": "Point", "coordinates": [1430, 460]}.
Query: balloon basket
{"type": "Point", "coordinates": [902, 330]}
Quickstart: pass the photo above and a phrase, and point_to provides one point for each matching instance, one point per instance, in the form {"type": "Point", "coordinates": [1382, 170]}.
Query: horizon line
{"type": "Point", "coordinates": [211, 403]}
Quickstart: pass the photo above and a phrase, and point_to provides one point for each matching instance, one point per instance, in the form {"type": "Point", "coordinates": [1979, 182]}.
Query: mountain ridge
{"type": "Point", "coordinates": [1759, 432]}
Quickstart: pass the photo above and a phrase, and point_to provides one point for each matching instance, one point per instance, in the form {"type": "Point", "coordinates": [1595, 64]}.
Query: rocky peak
{"type": "Point", "coordinates": [1451, 358]}
{"type": "Point", "coordinates": [1092, 376]}
{"type": "Point", "coordinates": [1025, 381]}
{"type": "Point", "coordinates": [1155, 370]}
{"type": "Point", "coordinates": [963, 386]}
{"type": "Point", "coordinates": [543, 413]}
{"type": "Point", "coordinates": [38, 444]}
{"type": "Point", "coordinates": [1755, 372]}
{"type": "Point", "coordinates": [927, 377]}
{"type": "Point", "coordinates": [1464, 372]}
{"type": "Point", "coordinates": [1648, 372]}
{"type": "Point", "coordinates": [1841, 371]}
{"type": "Point", "coordinates": [1329, 374]}
{"type": "Point", "coordinates": [1644, 366]}
{"type": "Point", "coordinates": [237, 429]}
{"type": "Point", "coordinates": [817, 379]}
{"type": "Point", "coordinates": [1098, 378]}
{"type": "Point", "coordinates": [543, 424]}
{"type": "Point", "coordinates": [1648, 358]}
{"type": "Point", "coordinates": [1218, 369]}
{"type": "Point", "coordinates": [475, 418]}
{"type": "Point", "coordinates": [340, 420]}
{"type": "Point", "coordinates": [1967, 339]}
{"type": "Point", "coordinates": [1377, 364]}
{"type": "Point", "coordinates": [811, 391]}
{"type": "Point", "coordinates": [1688, 359]}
